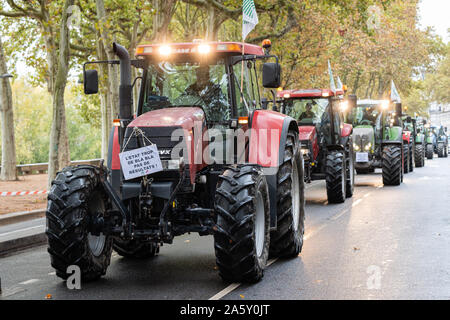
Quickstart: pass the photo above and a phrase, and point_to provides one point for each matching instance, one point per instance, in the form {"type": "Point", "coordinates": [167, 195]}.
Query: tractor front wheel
{"type": "Point", "coordinates": [429, 151]}
{"type": "Point", "coordinates": [350, 174]}
{"type": "Point", "coordinates": [440, 150]}
{"type": "Point", "coordinates": [419, 158]}
{"type": "Point", "coordinates": [287, 240]}
{"type": "Point", "coordinates": [242, 231]}
{"type": "Point", "coordinates": [76, 207]}
{"type": "Point", "coordinates": [406, 168]}
{"type": "Point", "coordinates": [392, 165]}
{"type": "Point", "coordinates": [335, 175]}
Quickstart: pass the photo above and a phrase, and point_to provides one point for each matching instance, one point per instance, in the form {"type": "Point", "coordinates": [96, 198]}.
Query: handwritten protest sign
{"type": "Point", "coordinates": [140, 162]}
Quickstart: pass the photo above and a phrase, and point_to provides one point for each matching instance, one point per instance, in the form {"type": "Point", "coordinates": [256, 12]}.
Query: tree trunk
{"type": "Point", "coordinates": [59, 152]}
{"type": "Point", "coordinates": [8, 171]}
{"type": "Point", "coordinates": [113, 75]}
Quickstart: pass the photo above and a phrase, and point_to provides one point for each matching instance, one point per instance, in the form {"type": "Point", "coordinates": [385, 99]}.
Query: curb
{"type": "Point", "coordinates": [10, 246]}
{"type": "Point", "coordinates": [15, 217]}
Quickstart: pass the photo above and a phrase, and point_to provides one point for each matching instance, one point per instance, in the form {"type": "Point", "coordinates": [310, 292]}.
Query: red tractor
{"type": "Point", "coordinates": [199, 154]}
{"type": "Point", "coordinates": [326, 145]}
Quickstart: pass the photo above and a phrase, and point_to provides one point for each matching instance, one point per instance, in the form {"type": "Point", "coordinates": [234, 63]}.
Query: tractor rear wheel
{"type": "Point", "coordinates": [335, 175]}
{"type": "Point", "coordinates": [135, 248]}
{"type": "Point", "coordinates": [411, 158]}
{"type": "Point", "coordinates": [242, 231]}
{"type": "Point", "coordinates": [406, 168]}
{"type": "Point", "coordinates": [392, 165]}
{"type": "Point", "coordinates": [440, 150]}
{"type": "Point", "coordinates": [419, 158]}
{"type": "Point", "coordinates": [350, 174]}
{"type": "Point", "coordinates": [287, 240]}
{"type": "Point", "coordinates": [429, 151]}
{"type": "Point", "coordinates": [76, 205]}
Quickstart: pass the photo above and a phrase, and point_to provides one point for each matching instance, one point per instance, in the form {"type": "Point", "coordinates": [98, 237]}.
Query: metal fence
{"type": "Point", "coordinates": [37, 168]}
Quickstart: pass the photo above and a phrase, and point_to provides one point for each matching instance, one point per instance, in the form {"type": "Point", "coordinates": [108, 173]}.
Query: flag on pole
{"type": "Point", "coordinates": [330, 72]}
{"type": "Point", "coordinates": [340, 86]}
{"type": "Point", "coordinates": [249, 18]}
{"type": "Point", "coordinates": [395, 97]}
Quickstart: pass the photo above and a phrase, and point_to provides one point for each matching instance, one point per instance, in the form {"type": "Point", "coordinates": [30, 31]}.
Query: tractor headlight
{"type": "Point", "coordinates": [165, 50]}
{"type": "Point", "coordinates": [368, 146]}
{"type": "Point", "coordinates": [356, 147]}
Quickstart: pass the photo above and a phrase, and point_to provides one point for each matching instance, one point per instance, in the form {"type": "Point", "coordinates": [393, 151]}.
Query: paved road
{"type": "Point", "coordinates": [384, 243]}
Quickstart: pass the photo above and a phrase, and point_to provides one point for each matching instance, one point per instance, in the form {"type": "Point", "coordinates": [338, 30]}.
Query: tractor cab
{"type": "Point", "coordinates": [322, 131]}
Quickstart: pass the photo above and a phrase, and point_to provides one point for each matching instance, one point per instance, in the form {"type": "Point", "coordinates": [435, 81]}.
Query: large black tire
{"type": "Point", "coordinates": [242, 231]}
{"type": "Point", "coordinates": [440, 150]}
{"type": "Point", "coordinates": [287, 240]}
{"type": "Point", "coordinates": [350, 173]}
{"type": "Point", "coordinates": [335, 175]}
{"type": "Point", "coordinates": [135, 249]}
{"type": "Point", "coordinates": [429, 151]}
{"type": "Point", "coordinates": [419, 158]}
{"type": "Point", "coordinates": [75, 200]}
{"type": "Point", "coordinates": [406, 168]}
{"type": "Point", "coordinates": [446, 151]}
{"type": "Point", "coordinates": [392, 165]}
{"type": "Point", "coordinates": [411, 157]}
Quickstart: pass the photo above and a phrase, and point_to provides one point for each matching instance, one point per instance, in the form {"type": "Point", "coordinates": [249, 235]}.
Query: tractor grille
{"type": "Point", "coordinates": [161, 136]}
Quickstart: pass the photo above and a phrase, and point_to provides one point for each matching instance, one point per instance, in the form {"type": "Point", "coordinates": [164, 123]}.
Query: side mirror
{"type": "Point", "coordinates": [424, 122]}
{"type": "Point", "coordinates": [408, 119]}
{"type": "Point", "coordinates": [271, 75]}
{"type": "Point", "coordinates": [90, 81]}
{"type": "Point", "coordinates": [445, 129]}
{"type": "Point", "coordinates": [264, 103]}
{"type": "Point", "coordinates": [398, 109]}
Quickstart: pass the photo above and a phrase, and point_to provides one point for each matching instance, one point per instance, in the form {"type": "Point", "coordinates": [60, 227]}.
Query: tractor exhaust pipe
{"type": "Point", "coordinates": [125, 88]}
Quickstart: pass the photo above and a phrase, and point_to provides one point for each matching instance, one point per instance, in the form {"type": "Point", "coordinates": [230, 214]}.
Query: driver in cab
{"type": "Point", "coordinates": [308, 113]}
{"type": "Point", "coordinates": [210, 93]}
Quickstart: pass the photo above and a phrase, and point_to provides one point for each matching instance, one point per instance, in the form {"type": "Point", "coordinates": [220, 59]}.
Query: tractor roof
{"type": "Point", "coordinates": [198, 48]}
{"type": "Point", "coordinates": [308, 93]}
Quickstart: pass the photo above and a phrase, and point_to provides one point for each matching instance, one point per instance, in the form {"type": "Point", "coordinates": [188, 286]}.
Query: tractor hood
{"type": "Point", "coordinates": [183, 117]}
{"type": "Point", "coordinates": [306, 132]}
{"type": "Point", "coordinates": [363, 135]}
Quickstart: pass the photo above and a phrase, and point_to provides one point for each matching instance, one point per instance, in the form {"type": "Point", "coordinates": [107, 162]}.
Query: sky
{"type": "Point", "coordinates": [435, 13]}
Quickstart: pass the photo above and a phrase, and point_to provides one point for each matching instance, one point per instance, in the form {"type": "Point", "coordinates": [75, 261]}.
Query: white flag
{"type": "Point", "coordinates": [340, 86]}
{"type": "Point", "coordinates": [249, 18]}
{"type": "Point", "coordinates": [330, 72]}
{"type": "Point", "coordinates": [395, 97]}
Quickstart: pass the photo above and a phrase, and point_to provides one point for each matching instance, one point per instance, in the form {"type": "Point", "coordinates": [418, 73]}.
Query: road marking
{"type": "Point", "coordinates": [236, 285]}
{"type": "Point", "coordinates": [338, 215]}
{"type": "Point", "coordinates": [366, 195]}
{"type": "Point", "coordinates": [52, 273]}
{"type": "Point", "coordinates": [225, 291]}
{"type": "Point", "coordinates": [354, 204]}
{"type": "Point", "coordinates": [20, 230]}
{"type": "Point", "coordinates": [29, 281]}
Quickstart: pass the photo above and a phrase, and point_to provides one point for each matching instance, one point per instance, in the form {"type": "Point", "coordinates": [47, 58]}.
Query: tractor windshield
{"type": "Point", "coordinates": [188, 84]}
{"type": "Point", "coordinates": [307, 111]}
{"type": "Point", "coordinates": [365, 115]}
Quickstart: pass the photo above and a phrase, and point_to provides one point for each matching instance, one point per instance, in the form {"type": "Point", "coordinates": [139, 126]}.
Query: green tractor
{"type": "Point", "coordinates": [378, 138]}
{"type": "Point", "coordinates": [414, 142]}
{"type": "Point", "coordinates": [430, 139]}
{"type": "Point", "coordinates": [418, 126]}
{"type": "Point", "coordinates": [442, 143]}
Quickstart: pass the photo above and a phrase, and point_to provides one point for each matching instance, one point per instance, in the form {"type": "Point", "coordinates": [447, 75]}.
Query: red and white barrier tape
{"type": "Point", "coordinates": [22, 193]}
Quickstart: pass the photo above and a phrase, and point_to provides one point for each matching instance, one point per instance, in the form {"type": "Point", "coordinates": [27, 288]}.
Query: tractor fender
{"type": "Point", "coordinates": [347, 130]}
{"type": "Point", "coordinates": [407, 136]}
{"type": "Point", "coordinates": [393, 135]}
{"type": "Point", "coordinates": [419, 139]}
{"type": "Point", "coordinates": [114, 160]}
{"type": "Point", "coordinates": [269, 130]}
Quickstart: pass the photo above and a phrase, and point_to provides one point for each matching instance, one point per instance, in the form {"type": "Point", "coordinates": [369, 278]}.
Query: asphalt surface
{"type": "Point", "coordinates": [384, 243]}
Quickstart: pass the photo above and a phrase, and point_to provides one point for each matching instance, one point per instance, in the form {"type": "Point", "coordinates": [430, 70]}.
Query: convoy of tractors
{"type": "Point", "coordinates": [202, 152]}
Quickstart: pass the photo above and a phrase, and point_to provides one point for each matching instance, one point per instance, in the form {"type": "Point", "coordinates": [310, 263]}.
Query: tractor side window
{"type": "Point", "coordinates": [250, 91]}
